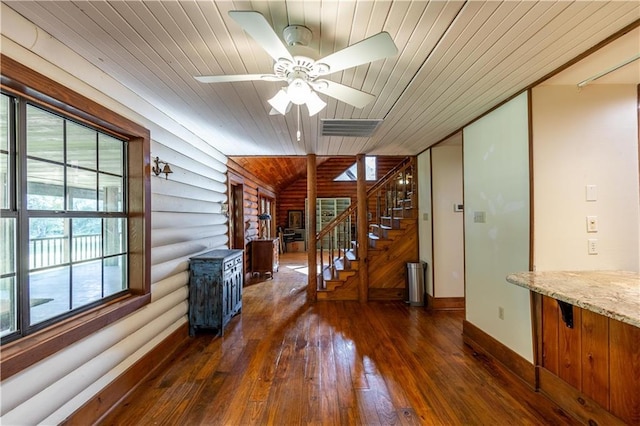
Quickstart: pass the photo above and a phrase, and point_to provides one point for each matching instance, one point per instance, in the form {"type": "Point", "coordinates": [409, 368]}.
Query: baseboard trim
{"type": "Point", "coordinates": [445, 303]}
{"type": "Point", "coordinates": [573, 401]}
{"type": "Point", "coordinates": [109, 397]}
{"type": "Point", "coordinates": [481, 342]}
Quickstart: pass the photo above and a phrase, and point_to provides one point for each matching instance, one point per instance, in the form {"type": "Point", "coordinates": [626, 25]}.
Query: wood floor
{"type": "Point", "coordinates": [286, 362]}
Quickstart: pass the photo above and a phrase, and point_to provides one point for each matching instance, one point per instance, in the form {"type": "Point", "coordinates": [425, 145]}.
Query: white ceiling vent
{"type": "Point", "coordinates": [354, 128]}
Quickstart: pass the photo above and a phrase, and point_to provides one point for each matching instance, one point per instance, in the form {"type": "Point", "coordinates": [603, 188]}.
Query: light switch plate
{"type": "Point", "coordinates": [479, 217]}
{"type": "Point", "coordinates": [592, 193]}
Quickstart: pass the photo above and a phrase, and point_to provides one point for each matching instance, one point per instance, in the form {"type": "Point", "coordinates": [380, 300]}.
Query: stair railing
{"type": "Point", "coordinates": [394, 196]}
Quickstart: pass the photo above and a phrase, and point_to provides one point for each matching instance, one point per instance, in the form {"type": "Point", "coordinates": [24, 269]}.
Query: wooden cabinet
{"type": "Point", "coordinates": [326, 210]}
{"type": "Point", "coordinates": [215, 289]}
{"type": "Point", "coordinates": [265, 256]}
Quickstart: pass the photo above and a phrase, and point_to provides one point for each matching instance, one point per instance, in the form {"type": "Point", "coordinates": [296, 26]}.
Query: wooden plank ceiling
{"type": "Point", "coordinates": [456, 60]}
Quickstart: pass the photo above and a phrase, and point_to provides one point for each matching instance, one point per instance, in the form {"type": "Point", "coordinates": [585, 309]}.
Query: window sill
{"type": "Point", "coordinates": [23, 353]}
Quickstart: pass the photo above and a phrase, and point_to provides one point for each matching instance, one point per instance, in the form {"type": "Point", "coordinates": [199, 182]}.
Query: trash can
{"type": "Point", "coordinates": [415, 283]}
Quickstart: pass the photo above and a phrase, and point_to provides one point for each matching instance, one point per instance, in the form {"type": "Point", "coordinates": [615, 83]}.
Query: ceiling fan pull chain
{"type": "Point", "coordinates": [298, 133]}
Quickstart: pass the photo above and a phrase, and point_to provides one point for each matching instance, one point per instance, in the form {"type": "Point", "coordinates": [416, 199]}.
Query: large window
{"type": "Point", "coordinates": [351, 174]}
{"type": "Point", "coordinates": [81, 186]}
{"type": "Point", "coordinates": [64, 217]}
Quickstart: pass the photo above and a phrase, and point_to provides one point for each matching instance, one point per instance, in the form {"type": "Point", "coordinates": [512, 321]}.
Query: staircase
{"type": "Point", "coordinates": [392, 241]}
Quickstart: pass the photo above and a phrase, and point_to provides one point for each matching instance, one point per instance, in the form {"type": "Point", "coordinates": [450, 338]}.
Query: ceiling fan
{"type": "Point", "coordinates": [303, 74]}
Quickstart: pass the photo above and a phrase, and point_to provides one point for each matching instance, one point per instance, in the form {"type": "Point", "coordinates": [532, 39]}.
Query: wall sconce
{"type": "Point", "coordinates": [165, 169]}
{"type": "Point", "coordinates": [224, 209]}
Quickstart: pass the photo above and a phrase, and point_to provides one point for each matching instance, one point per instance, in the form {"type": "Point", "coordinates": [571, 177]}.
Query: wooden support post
{"type": "Point", "coordinates": [363, 230]}
{"type": "Point", "coordinates": [312, 253]}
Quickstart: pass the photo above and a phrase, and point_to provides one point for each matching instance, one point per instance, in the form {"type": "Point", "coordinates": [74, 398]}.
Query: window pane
{"type": "Point", "coordinates": [8, 241]}
{"type": "Point", "coordinates": [5, 103]}
{"type": "Point", "coordinates": [48, 242]}
{"type": "Point", "coordinates": [115, 237]}
{"type": "Point", "coordinates": [49, 290]}
{"type": "Point", "coordinates": [81, 146]}
{"type": "Point", "coordinates": [45, 186]}
{"type": "Point", "coordinates": [81, 189]}
{"type": "Point", "coordinates": [8, 306]}
{"type": "Point", "coordinates": [110, 193]}
{"type": "Point", "coordinates": [87, 239]}
{"type": "Point", "coordinates": [370, 165]}
{"type": "Point", "coordinates": [44, 135]}
{"type": "Point", "coordinates": [4, 180]}
{"type": "Point", "coordinates": [111, 154]}
{"type": "Point", "coordinates": [115, 274]}
{"type": "Point", "coordinates": [4, 151]}
{"type": "Point", "coordinates": [87, 283]}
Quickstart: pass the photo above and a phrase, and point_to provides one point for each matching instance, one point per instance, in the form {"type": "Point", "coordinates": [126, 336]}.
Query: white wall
{"type": "Point", "coordinates": [448, 235]}
{"type": "Point", "coordinates": [496, 182]}
{"type": "Point", "coordinates": [424, 216]}
{"type": "Point", "coordinates": [585, 137]}
{"type": "Point", "coordinates": [185, 222]}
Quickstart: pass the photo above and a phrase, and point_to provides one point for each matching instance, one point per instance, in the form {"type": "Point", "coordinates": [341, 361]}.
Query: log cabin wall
{"type": "Point", "coordinates": [292, 197]}
{"type": "Point", "coordinates": [185, 222]}
{"type": "Point", "coordinates": [253, 187]}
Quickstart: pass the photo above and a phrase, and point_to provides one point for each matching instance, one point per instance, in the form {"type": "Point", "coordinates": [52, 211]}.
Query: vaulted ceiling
{"type": "Point", "coordinates": [456, 60]}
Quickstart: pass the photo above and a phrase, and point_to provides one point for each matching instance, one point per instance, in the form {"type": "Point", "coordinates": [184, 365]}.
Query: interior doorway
{"type": "Point", "coordinates": [236, 217]}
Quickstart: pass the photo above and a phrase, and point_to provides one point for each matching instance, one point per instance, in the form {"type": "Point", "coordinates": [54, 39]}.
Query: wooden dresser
{"type": "Point", "coordinates": [265, 256]}
{"type": "Point", "coordinates": [215, 289]}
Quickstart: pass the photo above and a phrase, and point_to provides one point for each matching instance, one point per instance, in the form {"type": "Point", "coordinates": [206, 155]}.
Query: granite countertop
{"type": "Point", "coordinates": [614, 294]}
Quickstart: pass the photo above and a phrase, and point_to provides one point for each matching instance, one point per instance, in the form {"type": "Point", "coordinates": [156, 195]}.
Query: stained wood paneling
{"type": "Point", "coordinates": [569, 350]}
{"type": "Point", "coordinates": [280, 172]}
{"type": "Point", "coordinates": [598, 362]}
{"type": "Point", "coordinates": [293, 196]}
{"type": "Point", "coordinates": [387, 266]}
{"type": "Point", "coordinates": [624, 344]}
{"type": "Point", "coordinates": [595, 357]}
{"type": "Point", "coordinates": [550, 318]}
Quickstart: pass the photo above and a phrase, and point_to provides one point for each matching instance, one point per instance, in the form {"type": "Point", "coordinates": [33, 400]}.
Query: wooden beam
{"type": "Point", "coordinates": [363, 228]}
{"type": "Point", "coordinates": [312, 288]}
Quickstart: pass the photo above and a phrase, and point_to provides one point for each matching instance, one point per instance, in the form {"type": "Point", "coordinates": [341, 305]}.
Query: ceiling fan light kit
{"type": "Point", "coordinates": [302, 74]}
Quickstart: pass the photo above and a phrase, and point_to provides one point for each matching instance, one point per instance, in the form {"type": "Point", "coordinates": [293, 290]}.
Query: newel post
{"type": "Point", "coordinates": [363, 230]}
{"type": "Point", "coordinates": [312, 243]}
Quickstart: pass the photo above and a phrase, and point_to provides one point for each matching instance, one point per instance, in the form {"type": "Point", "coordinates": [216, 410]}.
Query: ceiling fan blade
{"type": "Point", "coordinates": [370, 49]}
{"type": "Point", "coordinates": [349, 95]}
{"type": "Point", "coordinates": [259, 29]}
{"type": "Point", "coordinates": [232, 78]}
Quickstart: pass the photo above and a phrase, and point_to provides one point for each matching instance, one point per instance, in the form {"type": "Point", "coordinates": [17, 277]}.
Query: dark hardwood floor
{"type": "Point", "coordinates": [286, 362]}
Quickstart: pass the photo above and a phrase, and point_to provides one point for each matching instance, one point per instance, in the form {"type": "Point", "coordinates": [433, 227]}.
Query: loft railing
{"type": "Point", "coordinates": [394, 198]}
